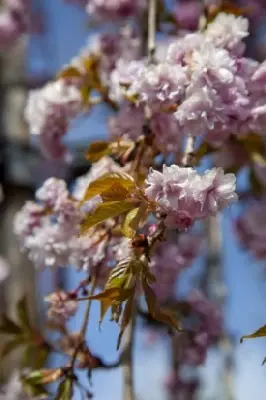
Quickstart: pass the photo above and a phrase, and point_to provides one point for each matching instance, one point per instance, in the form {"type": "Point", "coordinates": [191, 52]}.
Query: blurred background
{"type": "Point", "coordinates": [233, 374]}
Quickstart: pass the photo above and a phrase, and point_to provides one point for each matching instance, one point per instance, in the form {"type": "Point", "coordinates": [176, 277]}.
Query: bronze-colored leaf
{"type": "Point", "coordinates": [35, 391]}
{"type": "Point", "coordinates": [114, 294]}
{"type": "Point", "coordinates": [97, 150]}
{"type": "Point", "coordinates": [11, 346]}
{"type": "Point", "coordinates": [253, 143]}
{"type": "Point", "coordinates": [126, 317]}
{"type": "Point", "coordinates": [65, 390]}
{"type": "Point", "coordinates": [8, 326]}
{"type": "Point", "coordinates": [105, 182]}
{"type": "Point", "coordinates": [161, 315]}
{"type": "Point", "coordinates": [116, 192]}
{"type": "Point", "coordinates": [259, 159]}
{"type": "Point", "coordinates": [134, 219]}
{"type": "Point", "coordinates": [106, 210]}
{"type": "Point", "coordinates": [261, 332]}
{"type": "Point", "coordinates": [120, 274]}
{"type": "Point", "coordinates": [127, 230]}
{"type": "Point", "coordinates": [69, 72]}
{"type": "Point", "coordinates": [44, 376]}
{"type": "Point", "coordinates": [23, 314]}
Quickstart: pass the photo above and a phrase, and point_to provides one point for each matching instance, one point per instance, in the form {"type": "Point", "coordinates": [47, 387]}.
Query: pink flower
{"type": "Point", "coordinates": [160, 86]}
{"type": "Point", "coordinates": [187, 14]}
{"type": "Point", "coordinates": [27, 219]}
{"type": "Point", "coordinates": [49, 245]}
{"type": "Point", "coordinates": [61, 307]}
{"type": "Point", "coordinates": [182, 47]}
{"type": "Point", "coordinates": [228, 31]}
{"type": "Point", "coordinates": [114, 9]}
{"type": "Point", "coordinates": [128, 123]}
{"type": "Point", "coordinates": [48, 113]}
{"type": "Point", "coordinates": [169, 261]}
{"type": "Point", "coordinates": [182, 195]}
{"type": "Point", "coordinates": [216, 191]}
{"type": "Point", "coordinates": [52, 191]}
{"type": "Point", "coordinates": [110, 47]}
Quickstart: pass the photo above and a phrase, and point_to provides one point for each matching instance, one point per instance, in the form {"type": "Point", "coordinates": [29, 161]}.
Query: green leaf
{"type": "Point", "coordinates": [127, 315]}
{"type": "Point", "coordinates": [9, 326]}
{"type": "Point", "coordinates": [163, 316]}
{"type": "Point", "coordinates": [12, 345]}
{"type": "Point", "coordinates": [65, 390]}
{"type": "Point", "coordinates": [261, 332]}
{"type": "Point", "coordinates": [106, 210]}
{"type": "Point", "coordinates": [97, 150]}
{"type": "Point", "coordinates": [104, 183]}
{"type": "Point", "coordinates": [23, 314]}
{"type": "Point", "coordinates": [35, 357]}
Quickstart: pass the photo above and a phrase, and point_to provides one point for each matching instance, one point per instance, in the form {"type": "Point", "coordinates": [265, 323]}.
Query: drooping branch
{"type": "Point", "coordinates": [127, 359]}
{"type": "Point", "coordinates": [189, 151]}
{"type": "Point", "coordinates": [212, 284]}
{"type": "Point", "coordinates": [152, 30]}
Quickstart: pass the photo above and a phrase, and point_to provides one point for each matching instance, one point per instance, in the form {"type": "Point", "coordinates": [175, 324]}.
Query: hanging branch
{"type": "Point", "coordinates": [127, 359]}
{"type": "Point", "coordinates": [210, 279]}
{"type": "Point", "coordinates": [189, 151]}
{"type": "Point", "coordinates": [151, 30]}
{"type": "Point", "coordinates": [129, 337]}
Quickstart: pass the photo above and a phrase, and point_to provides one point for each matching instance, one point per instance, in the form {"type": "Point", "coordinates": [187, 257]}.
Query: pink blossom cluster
{"type": "Point", "coordinates": [204, 325]}
{"type": "Point", "coordinates": [208, 85]}
{"type": "Point", "coordinates": [114, 9]}
{"type": "Point", "coordinates": [49, 112]}
{"type": "Point", "coordinates": [251, 229]}
{"type": "Point", "coordinates": [124, 44]}
{"type": "Point", "coordinates": [130, 121]}
{"type": "Point", "coordinates": [182, 195]}
{"type": "Point", "coordinates": [48, 229]}
{"type": "Point", "coordinates": [169, 260]}
{"type": "Point", "coordinates": [183, 387]}
{"type": "Point", "coordinates": [14, 22]}
{"type": "Point", "coordinates": [62, 307]}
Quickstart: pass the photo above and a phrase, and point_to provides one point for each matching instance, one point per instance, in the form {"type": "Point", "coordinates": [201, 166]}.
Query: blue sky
{"type": "Point", "coordinates": [245, 310]}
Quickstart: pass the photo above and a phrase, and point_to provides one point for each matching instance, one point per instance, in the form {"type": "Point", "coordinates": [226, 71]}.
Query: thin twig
{"type": "Point", "coordinates": [152, 30]}
{"type": "Point", "coordinates": [84, 325]}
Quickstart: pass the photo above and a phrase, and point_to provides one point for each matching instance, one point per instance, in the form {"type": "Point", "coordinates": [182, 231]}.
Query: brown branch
{"type": "Point", "coordinates": [189, 151]}
{"type": "Point", "coordinates": [210, 279]}
{"type": "Point", "coordinates": [152, 30]}
{"type": "Point", "coordinates": [127, 359]}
